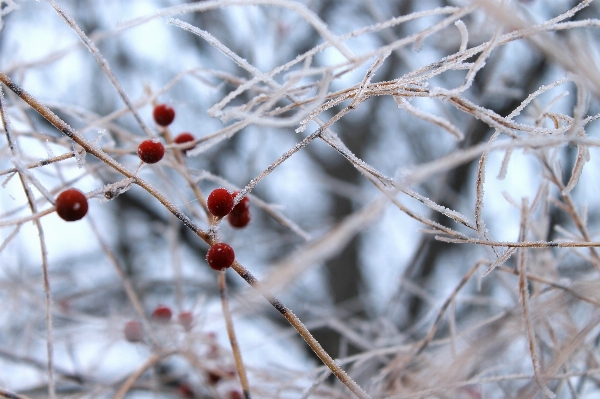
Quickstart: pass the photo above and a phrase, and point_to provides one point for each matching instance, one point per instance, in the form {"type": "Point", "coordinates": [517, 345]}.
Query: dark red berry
{"type": "Point", "coordinates": [213, 377]}
{"type": "Point", "coordinates": [243, 204]}
{"type": "Point", "coordinates": [234, 394]}
{"type": "Point", "coordinates": [239, 220]}
{"type": "Point", "coordinates": [220, 256]}
{"type": "Point", "coordinates": [133, 331]}
{"type": "Point", "coordinates": [185, 391]}
{"type": "Point", "coordinates": [71, 205]}
{"type": "Point", "coordinates": [186, 319]}
{"type": "Point", "coordinates": [239, 216]}
{"type": "Point", "coordinates": [151, 151]}
{"type": "Point", "coordinates": [184, 137]}
{"type": "Point", "coordinates": [163, 114]}
{"type": "Point", "coordinates": [219, 202]}
{"type": "Point", "coordinates": [162, 314]}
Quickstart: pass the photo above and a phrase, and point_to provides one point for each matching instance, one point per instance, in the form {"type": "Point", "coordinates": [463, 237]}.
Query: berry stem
{"type": "Point", "coordinates": [237, 354]}
{"type": "Point", "coordinates": [166, 133]}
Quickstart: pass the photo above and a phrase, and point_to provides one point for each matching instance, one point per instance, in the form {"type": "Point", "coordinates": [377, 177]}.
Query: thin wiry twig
{"type": "Point", "coordinates": [524, 297]}
{"type": "Point", "coordinates": [129, 290]}
{"type": "Point", "coordinates": [436, 120]}
{"type": "Point", "coordinates": [522, 244]}
{"type": "Point", "coordinates": [553, 49]}
{"type": "Point", "coordinates": [501, 260]}
{"type": "Point", "coordinates": [153, 360]}
{"type": "Point", "coordinates": [103, 64]}
{"type": "Point", "coordinates": [11, 395]}
{"type": "Point", "coordinates": [41, 163]}
{"type": "Point", "coordinates": [237, 354]}
{"type": "Point", "coordinates": [464, 35]}
{"type": "Point", "coordinates": [443, 309]}
{"type": "Point", "coordinates": [289, 268]}
{"type": "Point", "coordinates": [303, 331]}
{"type": "Point", "coordinates": [14, 147]}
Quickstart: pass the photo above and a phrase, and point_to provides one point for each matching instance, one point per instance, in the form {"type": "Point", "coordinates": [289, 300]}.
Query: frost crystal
{"type": "Point", "coordinates": [50, 152]}
{"type": "Point", "coordinates": [79, 152]}
{"type": "Point", "coordinates": [113, 190]}
{"type": "Point", "coordinates": [101, 133]}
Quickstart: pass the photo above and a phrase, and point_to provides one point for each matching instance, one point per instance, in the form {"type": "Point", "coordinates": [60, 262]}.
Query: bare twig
{"type": "Point", "coordinates": [43, 250]}
{"type": "Point", "coordinates": [237, 354]}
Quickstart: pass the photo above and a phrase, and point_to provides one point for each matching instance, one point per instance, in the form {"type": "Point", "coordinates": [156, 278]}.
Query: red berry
{"type": "Point", "coordinates": [151, 151]}
{"type": "Point", "coordinates": [185, 391]}
{"type": "Point", "coordinates": [133, 331]}
{"type": "Point", "coordinates": [220, 256]}
{"type": "Point", "coordinates": [163, 114]}
{"type": "Point", "coordinates": [162, 314]}
{"type": "Point", "coordinates": [186, 319]}
{"type": "Point", "coordinates": [234, 394]}
{"type": "Point", "coordinates": [219, 202]}
{"type": "Point", "coordinates": [213, 377]}
{"type": "Point", "coordinates": [71, 205]}
{"type": "Point", "coordinates": [184, 137]}
{"type": "Point", "coordinates": [243, 204]}
{"type": "Point", "coordinates": [239, 220]}
{"type": "Point", "coordinates": [239, 216]}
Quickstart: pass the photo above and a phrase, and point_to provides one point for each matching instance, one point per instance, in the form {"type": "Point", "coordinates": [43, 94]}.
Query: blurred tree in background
{"type": "Point", "coordinates": [422, 180]}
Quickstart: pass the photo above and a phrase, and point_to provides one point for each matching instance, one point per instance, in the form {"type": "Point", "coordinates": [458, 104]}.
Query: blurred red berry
{"type": "Point", "coordinates": [162, 314]}
{"type": "Point", "coordinates": [213, 377]}
{"type": "Point", "coordinates": [183, 138]}
{"type": "Point", "coordinates": [220, 256]}
{"type": "Point", "coordinates": [71, 205]}
{"type": "Point", "coordinates": [133, 331]}
{"type": "Point", "coordinates": [235, 394]}
{"type": "Point", "coordinates": [163, 114]}
{"type": "Point", "coordinates": [151, 151]}
{"type": "Point", "coordinates": [186, 319]}
{"type": "Point", "coordinates": [185, 391]}
{"type": "Point", "coordinates": [219, 202]}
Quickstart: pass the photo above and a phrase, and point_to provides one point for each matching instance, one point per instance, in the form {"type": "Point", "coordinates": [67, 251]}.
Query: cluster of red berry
{"type": "Point", "coordinates": [220, 203]}
{"type": "Point", "coordinates": [152, 151]}
{"type": "Point", "coordinates": [162, 314]}
{"type": "Point", "coordinates": [72, 204]}
{"type": "Point", "coordinates": [134, 332]}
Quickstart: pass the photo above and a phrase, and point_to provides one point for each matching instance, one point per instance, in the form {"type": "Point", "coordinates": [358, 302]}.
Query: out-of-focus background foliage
{"type": "Point", "coordinates": [372, 297]}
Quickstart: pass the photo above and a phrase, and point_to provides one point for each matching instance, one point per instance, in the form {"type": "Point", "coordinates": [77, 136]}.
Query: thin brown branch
{"type": "Point", "coordinates": [237, 354]}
